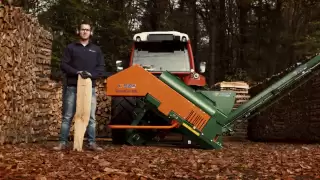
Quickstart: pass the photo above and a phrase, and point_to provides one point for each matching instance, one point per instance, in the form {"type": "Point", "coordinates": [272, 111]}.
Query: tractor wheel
{"type": "Point", "coordinates": [121, 114]}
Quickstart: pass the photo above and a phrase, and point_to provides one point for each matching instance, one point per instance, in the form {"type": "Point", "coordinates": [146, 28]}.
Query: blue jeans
{"type": "Point", "coordinates": [69, 109]}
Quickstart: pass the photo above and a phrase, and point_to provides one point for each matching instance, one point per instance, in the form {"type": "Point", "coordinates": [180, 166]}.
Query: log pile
{"type": "Point", "coordinates": [27, 95]}
{"type": "Point", "coordinates": [103, 111]}
{"type": "Point", "coordinates": [242, 96]}
{"type": "Point", "coordinates": [51, 108]}
{"type": "Point", "coordinates": [295, 117]}
{"type": "Point", "coordinates": [30, 102]}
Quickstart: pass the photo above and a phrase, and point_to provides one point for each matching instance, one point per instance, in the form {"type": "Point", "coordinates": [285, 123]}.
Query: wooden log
{"type": "Point", "coordinates": [83, 107]}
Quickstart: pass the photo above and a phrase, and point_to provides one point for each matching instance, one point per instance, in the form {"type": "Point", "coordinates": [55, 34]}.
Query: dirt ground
{"type": "Point", "coordinates": [237, 160]}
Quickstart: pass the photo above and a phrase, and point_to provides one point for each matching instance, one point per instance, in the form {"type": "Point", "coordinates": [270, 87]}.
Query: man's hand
{"type": "Point", "coordinates": [85, 74]}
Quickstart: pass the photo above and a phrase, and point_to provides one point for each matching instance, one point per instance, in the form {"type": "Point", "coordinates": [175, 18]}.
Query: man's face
{"type": "Point", "coordinates": [85, 31]}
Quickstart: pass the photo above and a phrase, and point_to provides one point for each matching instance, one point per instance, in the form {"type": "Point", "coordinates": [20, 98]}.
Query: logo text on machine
{"type": "Point", "coordinates": [127, 86]}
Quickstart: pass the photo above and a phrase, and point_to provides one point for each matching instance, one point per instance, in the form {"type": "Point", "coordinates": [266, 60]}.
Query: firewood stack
{"type": "Point", "coordinates": [242, 96]}
{"type": "Point", "coordinates": [51, 108]}
{"type": "Point", "coordinates": [49, 93]}
{"type": "Point", "coordinates": [103, 110]}
{"type": "Point", "coordinates": [28, 98]}
{"type": "Point", "coordinates": [30, 102]}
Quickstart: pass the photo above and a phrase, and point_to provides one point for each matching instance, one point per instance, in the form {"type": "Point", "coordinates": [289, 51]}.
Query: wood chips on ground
{"type": "Point", "coordinates": [237, 160]}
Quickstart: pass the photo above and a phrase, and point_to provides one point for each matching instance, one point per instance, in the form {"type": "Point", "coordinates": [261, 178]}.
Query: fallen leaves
{"type": "Point", "coordinates": [238, 161]}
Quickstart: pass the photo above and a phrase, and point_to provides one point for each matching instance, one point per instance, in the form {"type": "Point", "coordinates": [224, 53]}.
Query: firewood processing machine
{"type": "Point", "coordinates": [154, 95]}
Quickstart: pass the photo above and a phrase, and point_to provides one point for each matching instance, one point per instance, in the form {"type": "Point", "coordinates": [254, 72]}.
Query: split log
{"type": "Point", "coordinates": [83, 107]}
{"type": "Point", "coordinates": [103, 112]}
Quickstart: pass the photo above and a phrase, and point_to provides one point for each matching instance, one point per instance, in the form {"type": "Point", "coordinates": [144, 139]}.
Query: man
{"type": "Point", "coordinates": [84, 58]}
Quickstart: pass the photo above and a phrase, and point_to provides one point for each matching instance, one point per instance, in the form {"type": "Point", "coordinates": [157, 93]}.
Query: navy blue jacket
{"type": "Point", "coordinates": [77, 57]}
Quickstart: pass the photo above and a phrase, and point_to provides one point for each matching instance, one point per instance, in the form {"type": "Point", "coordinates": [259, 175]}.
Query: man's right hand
{"type": "Point", "coordinates": [85, 74]}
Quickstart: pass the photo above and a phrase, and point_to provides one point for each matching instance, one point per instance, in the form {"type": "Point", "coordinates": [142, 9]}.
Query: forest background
{"type": "Point", "coordinates": [248, 40]}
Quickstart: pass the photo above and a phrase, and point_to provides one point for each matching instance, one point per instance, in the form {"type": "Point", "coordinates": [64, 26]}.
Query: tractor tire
{"type": "Point", "coordinates": [121, 114]}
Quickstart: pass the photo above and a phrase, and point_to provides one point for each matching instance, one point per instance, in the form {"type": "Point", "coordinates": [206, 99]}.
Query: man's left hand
{"type": "Point", "coordinates": [85, 74]}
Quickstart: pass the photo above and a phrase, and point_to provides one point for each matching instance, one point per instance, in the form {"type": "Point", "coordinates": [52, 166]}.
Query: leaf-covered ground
{"type": "Point", "coordinates": [238, 160]}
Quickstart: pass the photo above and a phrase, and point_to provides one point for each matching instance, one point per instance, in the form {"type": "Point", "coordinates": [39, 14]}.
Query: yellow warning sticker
{"type": "Point", "coordinates": [192, 130]}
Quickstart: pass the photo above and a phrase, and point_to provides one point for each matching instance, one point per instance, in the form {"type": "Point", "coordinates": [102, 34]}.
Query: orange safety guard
{"type": "Point", "coordinates": [135, 81]}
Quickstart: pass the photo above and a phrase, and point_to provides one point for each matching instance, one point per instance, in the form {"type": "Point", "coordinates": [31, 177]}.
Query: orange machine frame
{"type": "Point", "coordinates": [135, 81]}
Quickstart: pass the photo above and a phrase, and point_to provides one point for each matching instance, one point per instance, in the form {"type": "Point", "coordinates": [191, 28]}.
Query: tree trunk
{"type": "Point", "coordinates": [212, 53]}
{"type": "Point", "coordinates": [154, 17]}
{"type": "Point", "coordinates": [195, 29]}
{"type": "Point", "coordinates": [243, 10]}
{"type": "Point", "coordinates": [221, 60]}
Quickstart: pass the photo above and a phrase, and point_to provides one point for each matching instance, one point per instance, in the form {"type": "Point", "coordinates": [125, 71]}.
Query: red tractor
{"type": "Point", "coordinates": [156, 52]}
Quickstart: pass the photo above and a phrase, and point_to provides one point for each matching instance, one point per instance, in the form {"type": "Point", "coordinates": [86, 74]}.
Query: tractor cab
{"type": "Point", "coordinates": [171, 51]}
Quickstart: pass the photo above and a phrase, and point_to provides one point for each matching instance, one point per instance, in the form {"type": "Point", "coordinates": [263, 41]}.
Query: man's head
{"type": "Point", "coordinates": [85, 31]}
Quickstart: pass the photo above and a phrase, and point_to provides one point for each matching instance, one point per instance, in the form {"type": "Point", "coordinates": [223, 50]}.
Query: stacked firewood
{"type": "Point", "coordinates": [27, 95]}
{"type": "Point", "coordinates": [242, 96]}
{"type": "Point", "coordinates": [103, 111]}
{"type": "Point", "coordinates": [240, 88]}
{"type": "Point", "coordinates": [51, 108]}
{"type": "Point", "coordinates": [30, 102]}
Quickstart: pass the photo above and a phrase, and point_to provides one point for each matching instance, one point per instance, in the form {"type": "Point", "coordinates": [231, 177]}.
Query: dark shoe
{"type": "Point", "coordinates": [60, 147]}
{"type": "Point", "coordinates": [94, 147]}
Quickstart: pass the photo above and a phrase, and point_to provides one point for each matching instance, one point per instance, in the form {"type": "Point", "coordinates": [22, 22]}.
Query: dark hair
{"type": "Point", "coordinates": [84, 22]}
